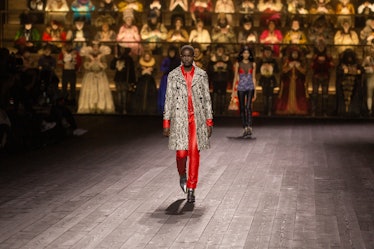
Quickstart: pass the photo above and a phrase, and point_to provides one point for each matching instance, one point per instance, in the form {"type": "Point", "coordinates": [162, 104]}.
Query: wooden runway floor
{"type": "Point", "coordinates": [300, 183]}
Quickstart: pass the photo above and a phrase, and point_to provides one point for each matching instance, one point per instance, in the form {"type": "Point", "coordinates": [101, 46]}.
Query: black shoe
{"type": "Point", "coordinates": [190, 195]}
{"type": "Point", "coordinates": [183, 183]}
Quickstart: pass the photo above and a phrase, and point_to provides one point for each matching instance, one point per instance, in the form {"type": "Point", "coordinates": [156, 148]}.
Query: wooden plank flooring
{"type": "Point", "coordinates": [299, 184]}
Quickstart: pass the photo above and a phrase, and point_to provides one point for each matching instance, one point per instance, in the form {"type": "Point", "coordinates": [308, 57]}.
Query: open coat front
{"type": "Point", "coordinates": [176, 105]}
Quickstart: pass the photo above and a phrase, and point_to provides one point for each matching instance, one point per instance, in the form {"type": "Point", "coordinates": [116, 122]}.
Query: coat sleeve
{"type": "Point", "coordinates": [207, 100]}
{"type": "Point", "coordinates": [168, 98]}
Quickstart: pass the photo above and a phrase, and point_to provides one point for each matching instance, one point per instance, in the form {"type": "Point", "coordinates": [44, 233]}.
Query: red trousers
{"type": "Point", "coordinates": [193, 154]}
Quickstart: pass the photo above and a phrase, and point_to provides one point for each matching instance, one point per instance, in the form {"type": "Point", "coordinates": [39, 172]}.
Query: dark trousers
{"type": "Point", "coordinates": [245, 107]}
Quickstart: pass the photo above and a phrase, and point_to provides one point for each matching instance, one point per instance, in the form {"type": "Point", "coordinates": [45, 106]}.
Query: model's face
{"type": "Point", "coordinates": [245, 54]}
{"type": "Point", "coordinates": [267, 53]}
{"type": "Point", "coordinates": [187, 57]}
{"type": "Point", "coordinates": [28, 26]}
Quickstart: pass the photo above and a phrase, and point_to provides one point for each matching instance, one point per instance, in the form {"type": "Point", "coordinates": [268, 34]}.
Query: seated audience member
{"type": "Point", "coordinates": [346, 37]}
{"type": "Point", "coordinates": [105, 34]}
{"type": "Point", "coordinates": [200, 35]}
{"type": "Point", "coordinates": [364, 11]}
{"type": "Point", "coordinates": [178, 34]}
{"type": "Point", "coordinates": [227, 7]}
{"type": "Point", "coordinates": [36, 8]}
{"type": "Point", "coordinates": [269, 9]}
{"type": "Point", "coordinates": [80, 34]}
{"type": "Point", "coordinates": [178, 8]}
{"type": "Point", "coordinates": [27, 37]}
{"type": "Point", "coordinates": [82, 10]}
{"type": "Point", "coordinates": [224, 33]}
{"type": "Point", "coordinates": [56, 10]}
{"type": "Point", "coordinates": [247, 35]}
{"type": "Point", "coordinates": [247, 7]}
{"type": "Point", "coordinates": [202, 9]}
{"type": "Point", "coordinates": [154, 33]}
{"type": "Point", "coordinates": [128, 35]}
{"type": "Point", "coordinates": [55, 36]}
{"type": "Point", "coordinates": [272, 37]}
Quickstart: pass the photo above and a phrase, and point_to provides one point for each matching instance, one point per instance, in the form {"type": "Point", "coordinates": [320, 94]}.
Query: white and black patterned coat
{"type": "Point", "coordinates": [176, 108]}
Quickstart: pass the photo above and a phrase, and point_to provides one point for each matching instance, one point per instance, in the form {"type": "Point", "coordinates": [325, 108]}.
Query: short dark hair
{"type": "Point", "coordinates": [188, 47]}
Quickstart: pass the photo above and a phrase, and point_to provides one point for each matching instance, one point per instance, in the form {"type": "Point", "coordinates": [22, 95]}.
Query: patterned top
{"type": "Point", "coordinates": [245, 71]}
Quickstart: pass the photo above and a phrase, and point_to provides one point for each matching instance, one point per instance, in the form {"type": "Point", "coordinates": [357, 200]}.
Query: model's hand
{"type": "Point", "coordinates": [210, 129]}
{"type": "Point", "coordinates": [166, 132]}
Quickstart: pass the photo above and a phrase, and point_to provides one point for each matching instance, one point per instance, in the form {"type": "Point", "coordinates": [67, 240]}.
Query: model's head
{"type": "Point", "coordinates": [187, 55]}
{"type": "Point", "coordinates": [246, 54]}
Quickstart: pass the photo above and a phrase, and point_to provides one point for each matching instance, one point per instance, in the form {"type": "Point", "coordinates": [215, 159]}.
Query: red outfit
{"type": "Point", "coordinates": [193, 151]}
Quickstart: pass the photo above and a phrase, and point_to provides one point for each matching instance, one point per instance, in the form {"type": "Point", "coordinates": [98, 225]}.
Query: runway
{"type": "Point", "coordinates": [298, 183]}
